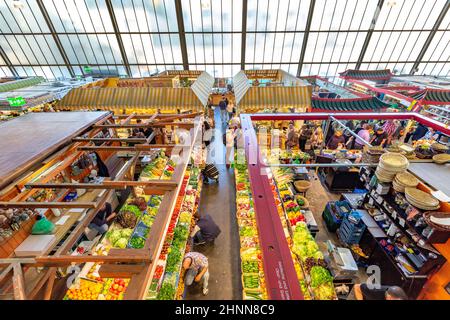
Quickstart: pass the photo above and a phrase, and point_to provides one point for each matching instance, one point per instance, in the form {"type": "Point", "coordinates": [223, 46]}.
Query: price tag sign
{"type": "Point", "coordinates": [17, 101]}
{"type": "Point", "coordinates": [394, 214]}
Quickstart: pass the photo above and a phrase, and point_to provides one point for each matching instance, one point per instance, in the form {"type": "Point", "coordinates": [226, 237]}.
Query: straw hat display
{"type": "Point", "coordinates": [421, 199]}
{"type": "Point", "coordinates": [403, 180]}
{"type": "Point", "coordinates": [390, 164]}
{"type": "Point", "coordinates": [441, 158]}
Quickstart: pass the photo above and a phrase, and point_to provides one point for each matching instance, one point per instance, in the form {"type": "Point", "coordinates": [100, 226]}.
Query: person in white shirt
{"type": "Point", "coordinates": [230, 136]}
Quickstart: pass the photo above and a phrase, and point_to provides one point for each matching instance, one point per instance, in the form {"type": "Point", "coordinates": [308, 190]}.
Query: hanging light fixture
{"type": "Point", "coordinates": [205, 4]}
{"type": "Point", "coordinates": [18, 4]}
{"type": "Point", "coordinates": [391, 3]}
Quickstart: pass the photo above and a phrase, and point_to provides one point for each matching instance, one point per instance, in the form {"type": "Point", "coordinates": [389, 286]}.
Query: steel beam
{"type": "Point", "coordinates": [306, 36]}
{"type": "Point", "coordinates": [244, 32]}
{"type": "Point", "coordinates": [123, 53]}
{"type": "Point", "coordinates": [430, 37]}
{"type": "Point", "coordinates": [426, 121]}
{"type": "Point", "coordinates": [8, 63]}
{"type": "Point", "coordinates": [369, 34]}
{"type": "Point", "coordinates": [182, 34]}
{"type": "Point", "coordinates": [52, 29]}
{"type": "Point", "coordinates": [350, 131]}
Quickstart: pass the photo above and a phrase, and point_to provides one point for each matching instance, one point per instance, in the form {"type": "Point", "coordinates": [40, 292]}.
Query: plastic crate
{"type": "Point", "coordinates": [350, 232]}
{"type": "Point", "coordinates": [333, 217]}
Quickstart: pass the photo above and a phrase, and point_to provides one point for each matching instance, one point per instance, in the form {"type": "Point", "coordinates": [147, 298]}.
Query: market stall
{"type": "Point", "coordinates": [128, 96]}
{"type": "Point", "coordinates": [136, 235]}
{"type": "Point", "coordinates": [280, 199]}
{"type": "Point", "coordinates": [282, 94]}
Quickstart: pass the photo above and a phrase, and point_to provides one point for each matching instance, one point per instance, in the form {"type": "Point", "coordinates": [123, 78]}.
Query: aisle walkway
{"type": "Point", "coordinates": [218, 200]}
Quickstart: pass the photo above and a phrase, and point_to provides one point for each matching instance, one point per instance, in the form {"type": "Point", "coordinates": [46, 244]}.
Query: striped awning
{"type": "Point", "coordinates": [366, 74]}
{"type": "Point", "coordinates": [241, 86]}
{"type": "Point", "coordinates": [348, 105]}
{"type": "Point", "coordinates": [130, 98]}
{"type": "Point", "coordinates": [260, 98]}
{"type": "Point", "coordinates": [202, 87]}
{"type": "Point", "coordinates": [432, 96]}
{"type": "Point", "coordinates": [182, 73]}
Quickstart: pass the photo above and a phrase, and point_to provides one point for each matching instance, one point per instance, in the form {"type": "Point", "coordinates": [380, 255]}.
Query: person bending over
{"type": "Point", "coordinates": [206, 230]}
{"type": "Point", "coordinates": [195, 265]}
{"type": "Point", "coordinates": [103, 218]}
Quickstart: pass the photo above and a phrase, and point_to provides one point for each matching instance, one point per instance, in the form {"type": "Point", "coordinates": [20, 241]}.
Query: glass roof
{"type": "Point", "coordinates": [138, 38]}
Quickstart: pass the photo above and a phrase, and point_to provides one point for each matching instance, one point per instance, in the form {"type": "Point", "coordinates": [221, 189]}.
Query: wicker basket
{"type": "Point", "coordinates": [427, 218]}
{"type": "Point", "coordinates": [302, 185]}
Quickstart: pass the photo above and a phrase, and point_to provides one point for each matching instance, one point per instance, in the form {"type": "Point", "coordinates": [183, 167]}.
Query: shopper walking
{"type": "Point", "coordinates": [195, 265]}
{"type": "Point", "coordinates": [230, 136]}
{"type": "Point", "coordinates": [230, 110]}
{"type": "Point", "coordinates": [223, 111]}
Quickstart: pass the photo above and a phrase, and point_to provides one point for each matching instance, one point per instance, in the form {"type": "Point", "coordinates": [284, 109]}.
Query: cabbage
{"type": "Point", "coordinates": [318, 255]}
{"type": "Point", "coordinates": [324, 292]}
{"type": "Point", "coordinates": [114, 236]}
{"type": "Point", "coordinates": [126, 233]}
{"type": "Point", "coordinates": [319, 276]}
{"type": "Point", "coordinates": [121, 243]}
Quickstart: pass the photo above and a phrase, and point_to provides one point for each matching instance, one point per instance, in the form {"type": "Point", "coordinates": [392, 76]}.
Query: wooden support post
{"type": "Point", "coordinates": [18, 282]}
{"type": "Point", "coordinates": [162, 184]}
{"type": "Point", "coordinates": [128, 119]}
{"type": "Point", "coordinates": [43, 205]}
{"type": "Point", "coordinates": [130, 140]}
{"type": "Point", "coordinates": [119, 271]}
{"type": "Point", "coordinates": [65, 260]}
{"type": "Point", "coordinates": [138, 147]}
{"type": "Point", "coordinates": [50, 283]}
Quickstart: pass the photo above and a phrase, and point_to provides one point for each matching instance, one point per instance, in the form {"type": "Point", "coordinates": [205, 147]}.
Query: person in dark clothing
{"type": "Point", "coordinates": [363, 292]}
{"type": "Point", "coordinates": [102, 168]}
{"type": "Point", "coordinates": [336, 140]}
{"type": "Point", "coordinates": [305, 135]}
{"type": "Point", "coordinates": [207, 230]}
{"type": "Point", "coordinates": [146, 131]}
{"type": "Point", "coordinates": [420, 132]}
{"type": "Point", "coordinates": [102, 218]}
{"type": "Point", "coordinates": [223, 110]}
{"type": "Point", "coordinates": [379, 138]}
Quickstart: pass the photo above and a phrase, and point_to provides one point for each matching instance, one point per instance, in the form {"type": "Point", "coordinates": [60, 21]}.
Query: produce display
{"type": "Point", "coordinates": [129, 230]}
{"type": "Point", "coordinates": [315, 280]}
{"type": "Point", "coordinates": [253, 281]}
{"type": "Point", "coordinates": [119, 237]}
{"type": "Point", "coordinates": [166, 284]}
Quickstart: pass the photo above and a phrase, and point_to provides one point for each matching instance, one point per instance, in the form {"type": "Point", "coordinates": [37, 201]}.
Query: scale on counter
{"type": "Point", "coordinates": [342, 257]}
